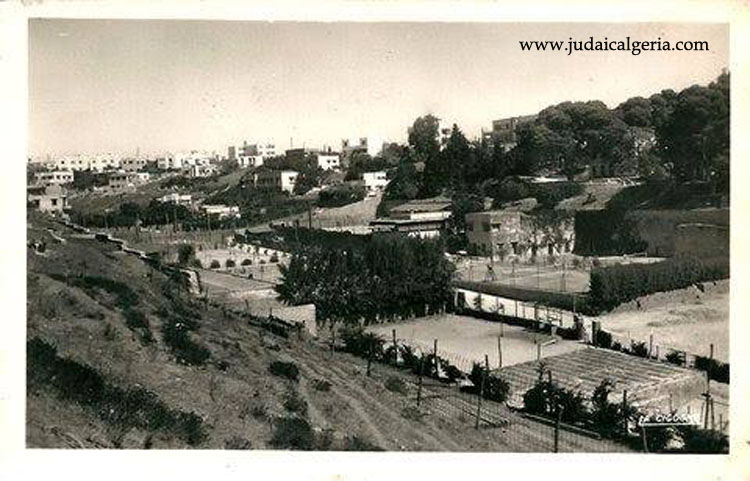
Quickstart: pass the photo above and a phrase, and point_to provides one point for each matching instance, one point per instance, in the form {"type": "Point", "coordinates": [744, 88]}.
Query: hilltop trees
{"type": "Point", "coordinates": [694, 136]}
{"type": "Point", "coordinates": [571, 135]}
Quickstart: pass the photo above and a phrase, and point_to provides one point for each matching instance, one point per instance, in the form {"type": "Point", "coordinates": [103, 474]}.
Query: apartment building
{"type": "Point", "coordinates": [375, 181]}
{"type": "Point", "coordinates": [276, 180]}
{"type": "Point", "coordinates": [56, 177]}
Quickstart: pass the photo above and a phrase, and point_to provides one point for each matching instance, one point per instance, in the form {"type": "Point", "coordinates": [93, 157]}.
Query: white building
{"type": "Point", "coordinates": [179, 199]}
{"type": "Point", "coordinates": [252, 155]}
{"type": "Point", "coordinates": [328, 161]}
{"type": "Point", "coordinates": [202, 170]}
{"type": "Point", "coordinates": [279, 180]}
{"type": "Point", "coordinates": [119, 181]}
{"type": "Point", "coordinates": [56, 177]}
{"type": "Point", "coordinates": [133, 165]}
{"type": "Point", "coordinates": [52, 198]}
{"type": "Point", "coordinates": [221, 211]}
{"type": "Point", "coordinates": [375, 181]}
{"type": "Point", "coordinates": [170, 162]}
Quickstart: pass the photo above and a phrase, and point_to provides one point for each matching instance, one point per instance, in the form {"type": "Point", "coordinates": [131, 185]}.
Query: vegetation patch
{"type": "Point", "coordinates": [121, 407]}
{"type": "Point", "coordinates": [288, 370]}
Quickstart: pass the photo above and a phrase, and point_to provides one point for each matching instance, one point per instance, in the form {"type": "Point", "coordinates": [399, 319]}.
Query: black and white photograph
{"type": "Point", "coordinates": [490, 237]}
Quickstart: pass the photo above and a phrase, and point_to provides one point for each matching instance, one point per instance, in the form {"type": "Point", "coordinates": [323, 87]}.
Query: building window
{"type": "Point", "coordinates": [486, 226]}
{"type": "Point", "coordinates": [54, 202]}
{"type": "Point", "coordinates": [515, 247]}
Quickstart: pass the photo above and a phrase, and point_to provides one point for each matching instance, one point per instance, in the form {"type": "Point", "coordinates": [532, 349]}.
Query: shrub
{"type": "Point", "coordinates": [247, 262]}
{"type": "Point", "coordinates": [396, 384]}
{"type": "Point", "coordinates": [185, 253]}
{"type": "Point", "coordinates": [704, 440]}
{"type": "Point", "coordinates": [293, 433]}
{"type": "Point", "coordinates": [294, 403]}
{"type": "Point", "coordinates": [274, 258]}
{"type": "Point", "coordinates": [639, 349]}
{"type": "Point", "coordinates": [215, 264]}
{"type": "Point", "coordinates": [550, 194]}
{"type": "Point", "coordinates": [229, 263]}
{"type": "Point", "coordinates": [288, 370]}
{"type": "Point", "coordinates": [495, 388]}
{"type": "Point", "coordinates": [357, 443]}
{"type": "Point", "coordinates": [676, 357]}
{"type": "Point", "coordinates": [321, 385]}
{"type": "Point", "coordinates": [718, 371]}
{"type": "Point", "coordinates": [188, 352]}
{"type": "Point", "coordinates": [236, 443]}
{"type": "Point", "coordinates": [603, 339]}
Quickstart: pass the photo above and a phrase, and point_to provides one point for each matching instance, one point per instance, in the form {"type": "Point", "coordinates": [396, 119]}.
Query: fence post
{"type": "Point", "coordinates": [650, 345]}
{"type": "Point", "coordinates": [369, 361]}
{"type": "Point", "coordinates": [499, 351]}
{"type": "Point", "coordinates": [419, 385]}
{"type": "Point", "coordinates": [395, 349]}
{"type": "Point", "coordinates": [434, 356]}
{"type": "Point", "coordinates": [481, 390]}
{"type": "Point", "coordinates": [624, 410]}
{"type": "Point", "coordinates": [557, 428]}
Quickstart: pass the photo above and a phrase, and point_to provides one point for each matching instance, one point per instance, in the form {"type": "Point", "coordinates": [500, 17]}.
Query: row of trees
{"type": "Point", "coordinates": [683, 136]}
{"type": "Point", "coordinates": [385, 277]}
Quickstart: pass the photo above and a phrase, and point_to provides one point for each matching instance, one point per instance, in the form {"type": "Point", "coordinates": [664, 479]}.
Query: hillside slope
{"type": "Point", "coordinates": [119, 356]}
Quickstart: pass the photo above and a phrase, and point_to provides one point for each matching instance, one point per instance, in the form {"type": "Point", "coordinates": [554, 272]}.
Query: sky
{"type": "Point", "coordinates": [156, 85]}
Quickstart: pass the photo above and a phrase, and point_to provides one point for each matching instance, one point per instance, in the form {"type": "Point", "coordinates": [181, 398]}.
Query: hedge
{"type": "Point", "coordinates": [575, 302]}
{"type": "Point", "coordinates": [614, 285]}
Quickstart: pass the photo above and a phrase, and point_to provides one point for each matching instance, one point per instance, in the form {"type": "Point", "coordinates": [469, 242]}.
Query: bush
{"type": "Point", "coordinates": [718, 371]}
{"type": "Point", "coordinates": [215, 264]}
{"type": "Point", "coordinates": [185, 253]}
{"type": "Point", "coordinates": [321, 385]}
{"type": "Point", "coordinates": [188, 352]}
{"type": "Point", "coordinates": [236, 443]}
{"type": "Point", "coordinates": [229, 263]}
{"type": "Point", "coordinates": [288, 370]}
{"type": "Point", "coordinates": [702, 441]}
{"type": "Point", "coordinates": [397, 385]}
{"type": "Point", "coordinates": [247, 262]}
{"type": "Point", "coordinates": [603, 339]}
{"type": "Point", "coordinates": [293, 433]}
{"type": "Point", "coordinates": [341, 195]}
{"type": "Point", "coordinates": [676, 357]}
{"type": "Point", "coordinates": [495, 388]}
{"type": "Point", "coordinates": [356, 443]}
{"type": "Point", "coordinates": [294, 403]}
{"type": "Point", "coordinates": [274, 258]}
{"type": "Point", "coordinates": [550, 194]}
{"type": "Point", "coordinates": [612, 286]}
{"type": "Point", "coordinates": [638, 349]}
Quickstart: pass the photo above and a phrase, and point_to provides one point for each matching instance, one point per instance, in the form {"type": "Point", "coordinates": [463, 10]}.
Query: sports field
{"type": "Point", "coordinates": [464, 340]}
{"type": "Point", "coordinates": [545, 277]}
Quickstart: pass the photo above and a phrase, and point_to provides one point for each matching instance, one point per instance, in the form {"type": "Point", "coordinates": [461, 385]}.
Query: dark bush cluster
{"type": "Point", "coordinates": [717, 370]}
{"type": "Point", "coordinates": [495, 388]}
{"type": "Point", "coordinates": [342, 195]}
{"type": "Point", "coordinates": [126, 408]}
{"type": "Point", "coordinates": [288, 370]}
{"type": "Point", "coordinates": [614, 285]}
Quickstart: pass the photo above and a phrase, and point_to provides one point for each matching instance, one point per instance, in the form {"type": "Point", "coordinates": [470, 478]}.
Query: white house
{"type": "Point", "coordinates": [201, 170]}
{"type": "Point", "coordinates": [119, 181]}
{"type": "Point", "coordinates": [280, 180]}
{"type": "Point", "coordinates": [375, 181]}
{"type": "Point", "coordinates": [132, 165]}
{"type": "Point", "coordinates": [328, 161]}
{"type": "Point", "coordinates": [179, 199]}
{"type": "Point", "coordinates": [52, 198]}
{"type": "Point", "coordinates": [56, 177]}
{"type": "Point", "coordinates": [221, 211]}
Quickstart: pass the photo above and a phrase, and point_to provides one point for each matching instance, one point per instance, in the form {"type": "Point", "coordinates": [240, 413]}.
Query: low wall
{"type": "Point", "coordinates": [658, 228]}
